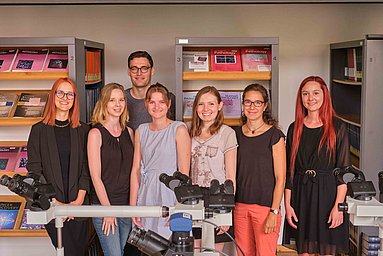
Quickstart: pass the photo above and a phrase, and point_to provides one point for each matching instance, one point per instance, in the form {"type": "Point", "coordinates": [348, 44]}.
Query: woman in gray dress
{"type": "Point", "coordinates": [162, 146]}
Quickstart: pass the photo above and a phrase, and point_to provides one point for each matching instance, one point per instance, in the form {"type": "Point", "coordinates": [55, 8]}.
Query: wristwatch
{"type": "Point", "coordinates": [275, 211]}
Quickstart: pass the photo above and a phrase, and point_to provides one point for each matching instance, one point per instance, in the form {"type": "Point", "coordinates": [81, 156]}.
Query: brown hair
{"type": "Point", "coordinates": [74, 112]}
{"type": "Point", "coordinates": [196, 125]}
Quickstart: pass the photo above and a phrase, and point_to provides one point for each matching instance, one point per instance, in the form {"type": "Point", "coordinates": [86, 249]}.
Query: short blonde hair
{"type": "Point", "coordinates": [100, 112]}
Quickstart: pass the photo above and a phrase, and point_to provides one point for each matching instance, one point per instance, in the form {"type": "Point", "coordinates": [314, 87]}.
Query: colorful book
{"type": "Point", "coordinates": [8, 214]}
{"type": "Point", "coordinates": [232, 105]}
{"type": "Point", "coordinates": [57, 61]}
{"type": "Point", "coordinates": [7, 103]}
{"type": "Point", "coordinates": [225, 59]}
{"type": "Point", "coordinates": [8, 158]}
{"type": "Point", "coordinates": [7, 57]}
{"type": "Point", "coordinates": [22, 160]}
{"type": "Point", "coordinates": [24, 223]}
{"type": "Point", "coordinates": [30, 60]}
{"type": "Point", "coordinates": [187, 103]}
{"type": "Point", "coordinates": [256, 59]}
{"type": "Point", "coordinates": [31, 105]}
{"type": "Point", "coordinates": [195, 61]}
{"type": "Point", "coordinates": [351, 64]}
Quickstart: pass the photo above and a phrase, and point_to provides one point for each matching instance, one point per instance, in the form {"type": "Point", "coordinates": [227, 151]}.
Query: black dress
{"type": "Point", "coordinates": [313, 197]}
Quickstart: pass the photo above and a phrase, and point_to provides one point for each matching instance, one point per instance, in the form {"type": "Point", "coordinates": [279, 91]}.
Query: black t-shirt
{"type": "Point", "coordinates": [255, 167]}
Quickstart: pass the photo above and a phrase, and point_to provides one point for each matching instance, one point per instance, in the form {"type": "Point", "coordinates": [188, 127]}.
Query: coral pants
{"type": "Point", "coordinates": [249, 222]}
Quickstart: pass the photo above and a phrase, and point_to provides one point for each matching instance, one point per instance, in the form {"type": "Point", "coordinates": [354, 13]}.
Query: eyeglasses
{"type": "Point", "coordinates": [143, 69]}
{"type": "Point", "coordinates": [257, 103]}
{"type": "Point", "coordinates": [69, 95]}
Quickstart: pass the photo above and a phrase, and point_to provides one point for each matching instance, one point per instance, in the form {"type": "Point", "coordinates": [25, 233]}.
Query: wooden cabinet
{"type": "Point", "coordinates": [231, 81]}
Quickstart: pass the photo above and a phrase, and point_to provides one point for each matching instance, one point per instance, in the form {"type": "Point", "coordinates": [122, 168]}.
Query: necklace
{"type": "Point", "coordinates": [61, 124]}
{"type": "Point", "coordinates": [253, 131]}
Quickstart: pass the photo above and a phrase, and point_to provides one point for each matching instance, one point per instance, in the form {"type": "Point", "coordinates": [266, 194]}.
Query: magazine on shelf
{"type": "Point", "coordinates": [30, 60]}
{"type": "Point", "coordinates": [225, 59]}
{"type": "Point", "coordinates": [8, 214]}
{"type": "Point", "coordinates": [31, 105]}
{"type": "Point", "coordinates": [256, 59]}
{"type": "Point", "coordinates": [8, 101]}
{"type": "Point", "coordinates": [24, 224]}
{"type": "Point", "coordinates": [8, 158]}
{"type": "Point", "coordinates": [22, 160]}
{"type": "Point", "coordinates": [57, 61]}
{"type": "Point", "coordinates": [7, 57]}
{"type": "Point", "coordinates": [195, 61]}
{"type": "Point", "coordinates": [187, 103]}
{"type": "Point", "coordinates": [232, 106]}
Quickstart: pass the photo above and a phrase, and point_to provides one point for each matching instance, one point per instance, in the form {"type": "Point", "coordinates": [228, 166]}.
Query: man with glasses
{"type": "Point", "coordinates": [140, 70]}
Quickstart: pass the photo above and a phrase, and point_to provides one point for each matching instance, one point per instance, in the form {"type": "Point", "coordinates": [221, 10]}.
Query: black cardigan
{"type": "Point", "coordinates": [43, 159]}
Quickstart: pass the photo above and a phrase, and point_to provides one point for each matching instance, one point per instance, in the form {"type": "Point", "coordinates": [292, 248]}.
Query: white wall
{"type": "Point", "coordinates": [305, 32]}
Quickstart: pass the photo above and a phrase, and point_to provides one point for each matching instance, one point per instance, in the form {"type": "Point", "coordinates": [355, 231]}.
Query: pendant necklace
{"type": "Point", "coordinates": [253, 131]}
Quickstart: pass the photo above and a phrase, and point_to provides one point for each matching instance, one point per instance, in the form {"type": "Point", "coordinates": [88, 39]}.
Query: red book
{"type": "Point", "coordinates": [6, 60]}
{"type": "Point", "coordinates": [30, 61]}
{"type": "Point", "coordinates": [256, 59]}
{"type": "Point", "coordinates": [225, 59]}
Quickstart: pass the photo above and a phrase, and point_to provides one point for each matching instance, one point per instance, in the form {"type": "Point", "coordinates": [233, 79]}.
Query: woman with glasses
{"type": "Point", "coordinates": [110, 152]}
{"type": "Point", "coordinates": [317, 143]}
{"type": "Point", "coordinates": [57, 151]}
{"type": "Point", "coordinates": [261, 173]}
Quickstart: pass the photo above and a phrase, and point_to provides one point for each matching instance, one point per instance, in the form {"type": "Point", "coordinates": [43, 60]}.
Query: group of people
{"type": "Point", "coordinates": [134, 138]}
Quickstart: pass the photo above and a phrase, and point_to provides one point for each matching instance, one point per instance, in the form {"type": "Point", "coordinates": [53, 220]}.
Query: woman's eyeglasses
{"type": "Point", "coordinates": [257, 103]}
{"type": "Point", "coordinates": [69, 95]}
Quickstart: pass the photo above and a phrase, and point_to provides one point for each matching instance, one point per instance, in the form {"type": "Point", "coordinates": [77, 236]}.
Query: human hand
{"type": "Point", "coordinates": [290, 216]}
{"type": "Point", "coordinates": [336, 217]}
{"type": "Point", "coordinates": [225, 228]}
{"type": "Point", "coordinates": [137, 221]}
{"type": "Point", "coordinates": [109, 224]}
{"type": "Point", "coordinates": [271, 223]}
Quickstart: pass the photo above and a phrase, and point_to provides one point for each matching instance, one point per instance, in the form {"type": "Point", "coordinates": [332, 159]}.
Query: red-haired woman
{"type": "Point", "coordinates": [57, 151]}
{"type": "Point", "coordinates": [317, 143]}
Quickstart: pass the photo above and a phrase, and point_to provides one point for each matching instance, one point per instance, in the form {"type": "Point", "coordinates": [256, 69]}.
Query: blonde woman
{"type": "Point", "coordinates": [110, 153]}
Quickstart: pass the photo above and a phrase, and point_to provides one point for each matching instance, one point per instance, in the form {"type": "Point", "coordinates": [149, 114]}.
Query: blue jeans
{"type": "Point", "coordinates": [113, 245]}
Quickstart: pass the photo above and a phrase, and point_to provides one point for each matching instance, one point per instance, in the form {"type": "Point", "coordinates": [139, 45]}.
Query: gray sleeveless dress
{"type": "Point", "coordinates": [159, 155]}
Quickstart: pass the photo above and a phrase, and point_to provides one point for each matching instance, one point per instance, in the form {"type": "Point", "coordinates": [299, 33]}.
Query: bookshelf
{"type": "Point", "coordinates": [187, 80]}
{"type": "Point", "coordinates": [356, 97]}
{"type": "Point", "coordinates": [86, 71]}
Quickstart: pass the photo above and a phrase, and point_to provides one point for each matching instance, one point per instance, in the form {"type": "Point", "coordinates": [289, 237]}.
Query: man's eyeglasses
{"type": "Point", "coordinates": [257, 103]}
{"type": "Point", "coordinates": [69, 95]}
{"type": "Point", "coordinates": [143, 69]}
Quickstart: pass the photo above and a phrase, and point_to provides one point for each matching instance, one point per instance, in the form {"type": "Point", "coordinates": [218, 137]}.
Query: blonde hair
{"type": "Point", "coordinates": [100, 112]}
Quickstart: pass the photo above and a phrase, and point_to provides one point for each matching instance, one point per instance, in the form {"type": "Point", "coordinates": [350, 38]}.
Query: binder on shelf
{"type": "Point", "coordinates": [7, 57]}
{"type": "Point", "coordinates": [8, 102]}
{"type": "Point", "coordinates": [30, 60]}
{"type": "Point", "coordinates": [351, 64]}
{"type": "Point", "coordinates": [93, 66]}
{"type": "Point", "coordinates": [225, 59]}
{"type": "Point", "coordinates": [195, 61]}
{"type": "Point", "coordinates": [31, 105]}
{"type": "Point", "coordinates": [8, 158]}
{"type": "Point", "coordinates": [57, 61]}
{"type": "Point", "coordinates": [256, 59]}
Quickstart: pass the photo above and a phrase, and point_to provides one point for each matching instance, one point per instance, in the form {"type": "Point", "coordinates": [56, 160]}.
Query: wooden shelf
{"type": "Point", "coordinates": [19, 121]}
{"type": "Point", "coordinates": [13, 143]}
{"type": "Point", "coordinates": [226, 76]}
{"type": "Point", "coordinates": [23, 233]}
{"type": "Point", "coordinates": [347, 82]}
{"type": "Point", "coordinates": [227, 121]}
{"type": "Point", "coordinates": [32, 75]}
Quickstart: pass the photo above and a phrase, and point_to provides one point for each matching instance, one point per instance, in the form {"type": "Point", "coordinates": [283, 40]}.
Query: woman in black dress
{"type": "Point", "coordinates": [57, 151]}
{"type": "Point", "coordinates": [317, 143]}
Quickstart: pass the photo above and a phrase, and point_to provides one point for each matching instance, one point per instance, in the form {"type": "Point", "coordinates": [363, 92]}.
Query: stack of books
{"type": "Point", "coordinates": [370, 245]}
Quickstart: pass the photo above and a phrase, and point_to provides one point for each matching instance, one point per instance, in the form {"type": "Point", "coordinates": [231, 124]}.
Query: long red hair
{"type": "Point", "coordinates": [74, 112]}
{"type": "Point", "coordinates": [326, 114]}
